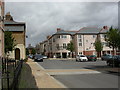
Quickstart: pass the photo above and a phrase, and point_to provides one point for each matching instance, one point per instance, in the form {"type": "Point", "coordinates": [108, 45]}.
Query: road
{"type": "Point", "coordinates": [81, 74]}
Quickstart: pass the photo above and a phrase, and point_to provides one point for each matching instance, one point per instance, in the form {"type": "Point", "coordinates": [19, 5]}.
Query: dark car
{"type": "Point", "coordinates": [92, 58]}
{"type": "Point", "coordinates": [38, 57]}
{"type": "Point", "coordinates": [114, 61]}
{"type": "Point", "coordinates": [106, 57]}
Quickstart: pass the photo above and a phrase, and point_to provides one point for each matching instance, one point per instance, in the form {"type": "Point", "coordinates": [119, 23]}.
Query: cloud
{"type": "Point", "coordinates": [43, 18]}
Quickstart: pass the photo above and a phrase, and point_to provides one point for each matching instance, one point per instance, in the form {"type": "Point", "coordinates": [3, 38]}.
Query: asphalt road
{"type": "Point", "coordinates": [89, 80]}
{"type": "Point", "coordinates": [71, 64]}
{"type": "Point", "coordinates": [84, 80]}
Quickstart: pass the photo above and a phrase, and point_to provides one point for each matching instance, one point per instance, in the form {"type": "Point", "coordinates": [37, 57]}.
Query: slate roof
{"type": "Point", "coordinates": [103, 31]}
{"type": "Point", "coordinates": [65, 32]}
{"type": "Point", "coordinates": [13, 22]}
{"type": "Point", "coordinates": [89, 30]}
{"type": "Point", "coordinates": [14, 28]}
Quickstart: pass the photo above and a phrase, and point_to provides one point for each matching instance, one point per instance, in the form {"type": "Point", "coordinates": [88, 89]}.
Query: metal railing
{"type": "Point", "coordinates": [11, 70]}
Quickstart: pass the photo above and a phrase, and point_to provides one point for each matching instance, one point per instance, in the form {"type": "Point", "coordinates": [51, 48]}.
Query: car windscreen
{"type": "Point", "coordinates": [82, 56]}
{"type": "Point", "coordinates": [38, 56]}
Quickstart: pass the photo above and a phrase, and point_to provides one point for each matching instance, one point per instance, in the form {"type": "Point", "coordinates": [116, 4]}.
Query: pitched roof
{"type": "Point", "coordinates": [12, 22]}
{"type": "Point", "coordinates": [14, 28]}
{"type": "Point", "coordinates": [65, 32]}
{"type": "Point", "coordinates": [88, 30]}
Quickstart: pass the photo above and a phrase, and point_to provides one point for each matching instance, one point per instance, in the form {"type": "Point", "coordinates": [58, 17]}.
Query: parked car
{"type": "Point", "coordinates": [106, 57]}
{"type": "Point", "coordinates": [81, 58]}
{"type": "Point", "coordinates": [114, 61]}
{"type": "Point", "coordinates": [38, 57]}
{"type": "Point", "coordinates": [30, 56]}
{"type": "Point", "coordinates": [44, 57]}
{"type": "Point", "coordinates": [92, 58]}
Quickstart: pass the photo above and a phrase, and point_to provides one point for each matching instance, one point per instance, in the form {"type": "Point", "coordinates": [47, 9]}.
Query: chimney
{"type": "Point", "coordinates": [48, 37]}
{"type": "Point", "coordinates": [8, 17]}
{"type": "Point", "coordinates": [58, 29]}
{"type": "Point", "coordinates": [105, 27]}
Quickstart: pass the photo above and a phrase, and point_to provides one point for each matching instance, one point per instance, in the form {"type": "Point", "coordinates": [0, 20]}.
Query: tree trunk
{"type": "Point", "coordinates": [113, 51]}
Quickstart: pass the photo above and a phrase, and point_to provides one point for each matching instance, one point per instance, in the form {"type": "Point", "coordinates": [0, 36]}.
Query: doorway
{"type": "Point", "coordinates": [17, 54]}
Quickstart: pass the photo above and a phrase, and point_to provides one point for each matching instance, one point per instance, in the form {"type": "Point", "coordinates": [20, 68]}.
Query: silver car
{"type": "Point", "coordinates": [81, 58]}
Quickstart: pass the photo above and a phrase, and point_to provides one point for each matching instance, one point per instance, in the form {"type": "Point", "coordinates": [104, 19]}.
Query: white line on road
{"type": "Point", "coordinates": [73, 73]}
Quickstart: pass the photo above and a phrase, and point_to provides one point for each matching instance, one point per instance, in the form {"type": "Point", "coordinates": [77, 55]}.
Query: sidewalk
{"type": "Point", "coordinates": [43, 79]}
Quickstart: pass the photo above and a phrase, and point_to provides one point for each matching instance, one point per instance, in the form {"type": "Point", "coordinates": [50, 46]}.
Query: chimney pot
{"type": "Point", "coordinates": [58, 29]}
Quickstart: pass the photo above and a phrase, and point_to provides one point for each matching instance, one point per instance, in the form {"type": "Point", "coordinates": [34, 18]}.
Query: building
{"type": "Point", "coordinates": [30, 48]}
{"type": "Point", "coordinates": [1, 28]}
{"type": "Point", "coordinates": [83, 40]}
{"type": "Point", "coordinates": [18, 30]}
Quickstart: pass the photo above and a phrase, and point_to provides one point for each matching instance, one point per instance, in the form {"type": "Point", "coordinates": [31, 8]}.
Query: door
{"type": "Point", "coordinates": [17, 54]}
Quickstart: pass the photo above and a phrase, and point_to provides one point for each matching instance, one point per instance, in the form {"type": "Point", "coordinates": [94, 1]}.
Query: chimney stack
{"type": "Point", "coordinates": [105, 27]}
{"type": "Point", "coordinates": [58, 29]}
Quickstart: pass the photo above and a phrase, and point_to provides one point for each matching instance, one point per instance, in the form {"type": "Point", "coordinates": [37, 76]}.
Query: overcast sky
{"type": "Point", "coordinates": [42, 18]}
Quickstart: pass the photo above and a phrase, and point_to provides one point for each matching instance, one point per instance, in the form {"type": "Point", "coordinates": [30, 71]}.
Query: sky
{"type": "Point", "coordinates": [43, 18]}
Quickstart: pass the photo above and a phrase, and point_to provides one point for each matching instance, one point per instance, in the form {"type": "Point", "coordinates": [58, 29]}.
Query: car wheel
{"type": "Point", "coordinates": [108, 64]}
{"type": "Point", "coordinates": [76, 60]}
{"type": "Point", "coordinates": [42, 60]}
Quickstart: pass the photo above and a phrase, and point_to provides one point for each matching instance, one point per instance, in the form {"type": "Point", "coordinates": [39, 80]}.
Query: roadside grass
{"type": "Point", "coordinates": [26, 79]}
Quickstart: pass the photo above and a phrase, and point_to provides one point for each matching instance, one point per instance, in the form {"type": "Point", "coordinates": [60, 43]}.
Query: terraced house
{"type": "Point", "coordinates": [1, 28]}
{"type": "Point", "coordinates": [82, 39]}
{"type": "Point", "coordinates": [18, 30]}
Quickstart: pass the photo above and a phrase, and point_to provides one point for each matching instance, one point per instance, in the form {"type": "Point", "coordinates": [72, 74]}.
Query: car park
{"type": "Point", "coordinates": [81, 58]}
{"type": "Point", "coordinates": [38, 57]}
{"type": "Point", "coordinates": [106, 57]}
{"type": "Point", "coordinates": [92, 58]}
{"type": "Point", "coordinates": [114, 61]}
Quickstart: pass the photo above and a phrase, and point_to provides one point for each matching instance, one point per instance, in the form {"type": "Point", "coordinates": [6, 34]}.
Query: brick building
{"type": "Point", "coordinates": [18, 30]}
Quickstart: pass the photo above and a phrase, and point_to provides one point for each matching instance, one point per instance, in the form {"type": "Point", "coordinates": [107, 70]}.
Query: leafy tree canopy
{"type": "Point", "coordinates": [113, 38]}
{"type": "Point", "coordinates": [98, 45]}
{"type": "Point", "coordinates": [70, 46]}
{"type": "Point", "coordinates": [9, 41]}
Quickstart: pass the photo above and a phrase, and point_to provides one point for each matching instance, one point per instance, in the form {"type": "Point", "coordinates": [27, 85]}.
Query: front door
{"type": "Point", "coordinates": [17, 54]}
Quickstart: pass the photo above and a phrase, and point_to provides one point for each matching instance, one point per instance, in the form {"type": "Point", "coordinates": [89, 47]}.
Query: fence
{"type": "Point", "coordinates": [11, 70]}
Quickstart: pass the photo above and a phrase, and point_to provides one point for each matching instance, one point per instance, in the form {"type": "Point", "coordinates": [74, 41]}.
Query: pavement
{"type": "Point", "coordinates": [43, 79]}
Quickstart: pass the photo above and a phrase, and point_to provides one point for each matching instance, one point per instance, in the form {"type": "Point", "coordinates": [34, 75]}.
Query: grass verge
{"type": "Point", "coordinates": [27, 80]}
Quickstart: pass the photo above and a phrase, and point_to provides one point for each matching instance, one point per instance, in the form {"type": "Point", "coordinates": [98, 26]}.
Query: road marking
{"type": "Point", "coordinates": [73, 73]}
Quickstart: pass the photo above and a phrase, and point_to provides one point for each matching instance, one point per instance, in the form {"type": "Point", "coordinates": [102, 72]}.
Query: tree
{"type": "Point", "coordinates": [70, 47]}
{"type": "Point", "coordinates": [9, 41]}
{"type": "Point", "coordinates": [27, 51]}
{"type": "Point", "coordinates": [98, 47]}
{"type": "Point", "coordinates": [33, 51]}
{"type": "Point", "coordinates": [112, 38]}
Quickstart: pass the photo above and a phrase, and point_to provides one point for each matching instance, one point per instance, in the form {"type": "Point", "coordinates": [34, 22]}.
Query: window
{"type": "Point", "coordinates": [58, 36]}
{"type": "Point", "coordinates": [86, 48]}
{"type": "Point", "coordinates": [80, 40]}
{"type": "Point", "coordinates": [57, 46]}
{"type": "Point", "coordinates": [80, 53]}
{"type": "Point", "coordinates": [64, 36]}
{"type": "Point", "coordinates": [64, 45]}
{"type": "Point", "coordinates": [80, 44]}
{"type": "Point", "coordinates": [79, 36]}
{"type": "Point", "coordinates": [94, 36]}
{"type": "Point", "coordinates": [53, 39]}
